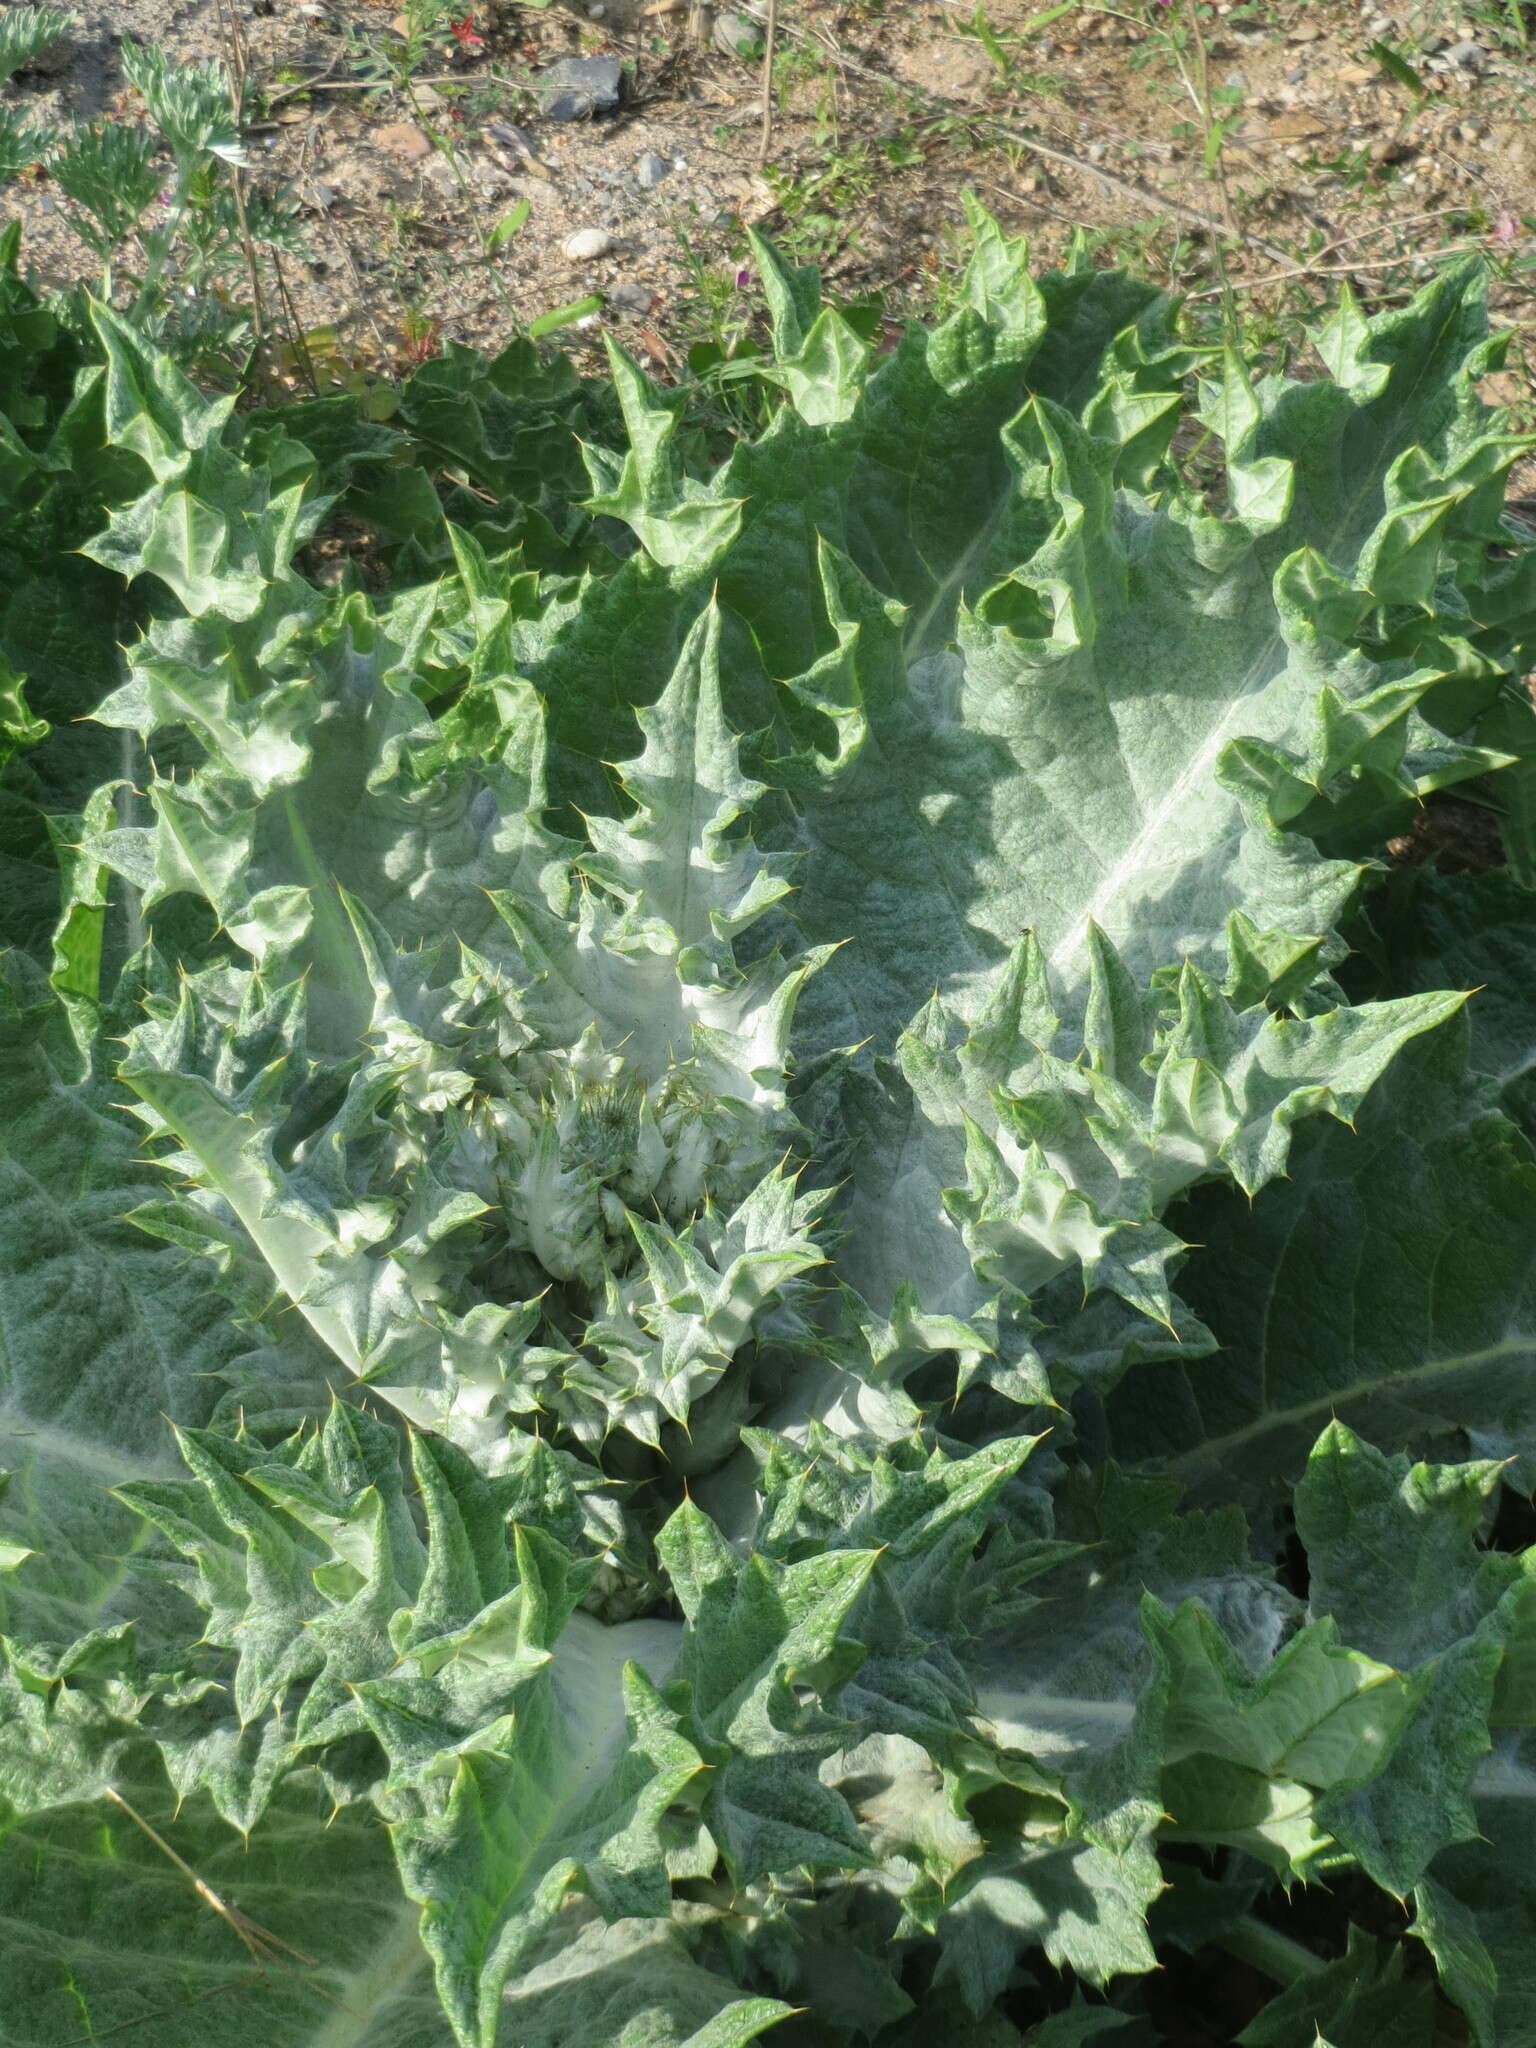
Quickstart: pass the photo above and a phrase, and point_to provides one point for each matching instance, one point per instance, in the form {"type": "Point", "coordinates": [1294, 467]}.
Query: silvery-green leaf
{"type": "Point", "coordinates": [106, 1331]}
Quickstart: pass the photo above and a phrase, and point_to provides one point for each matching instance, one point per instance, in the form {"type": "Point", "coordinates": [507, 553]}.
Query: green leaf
{"type": "Point", "coordinates": [1473, 1911]}
{"type": "Point", "coordinates": [1392, 1557]}
{"type": "Point", "coordinates": [1363, 1995]}
{"type": "Point", "coordinates": [1071, 1901]}
{"type": "Point", "coordinates": [18, 728]}
{"type": "Point", "coordinates": [334, 1951]}
{"type": "Point", "coordinates": [1471, 931]}
{"type": "Point", "coordinates": [564, 316]}
{"type": "Point", "coordinates": [1389, 1545]}
{"type": "Point", "coordinates": [107, 1332]}
{"type": "Point", "coordinates": [634, 1985]}
{"type": "Point", "coordinates": [1397, 67]}
{"type": "Point", "coordinates": [1396, 1332]}
{"type": "Point", "coordinates": [510, 225]}
{"type": "Point", "coordinates": [994, 1161]}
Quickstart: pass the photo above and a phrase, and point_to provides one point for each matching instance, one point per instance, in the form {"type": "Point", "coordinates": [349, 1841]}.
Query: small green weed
{"type": "Point", "coordinates": [162, 206]}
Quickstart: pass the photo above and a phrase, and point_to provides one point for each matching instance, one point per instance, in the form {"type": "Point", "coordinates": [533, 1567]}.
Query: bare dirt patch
{"type": "Point", "coordinates": [1332, 159]}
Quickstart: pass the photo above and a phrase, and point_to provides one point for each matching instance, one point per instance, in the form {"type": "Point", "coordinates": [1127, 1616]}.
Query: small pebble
{"type": "Point", "coordinates": [404, 140]}
{"type": "Point", "coordinates": [735, 35]}
{"type": "Point", "coordinates": [651, 169]}
{"type": "Point", "coordinates": [587, 244]}
{"type": "Point", "coordinates": [631, 298]}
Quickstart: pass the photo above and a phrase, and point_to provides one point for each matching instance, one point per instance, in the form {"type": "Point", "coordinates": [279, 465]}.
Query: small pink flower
{"type": "Point", "coordinates": [1505, 229]}
{"type": "Point", "coordinates": [743, 278]}
{"type": "Point", "coordinates": [465, 33]}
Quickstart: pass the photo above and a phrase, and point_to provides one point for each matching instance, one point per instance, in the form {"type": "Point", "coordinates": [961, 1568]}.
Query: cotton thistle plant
{"type": "Point", "coordinates": [494, 1136]}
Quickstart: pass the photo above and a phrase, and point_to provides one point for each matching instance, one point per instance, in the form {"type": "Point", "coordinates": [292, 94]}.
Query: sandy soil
{"type": "Point", "coordinates": [886, 110]}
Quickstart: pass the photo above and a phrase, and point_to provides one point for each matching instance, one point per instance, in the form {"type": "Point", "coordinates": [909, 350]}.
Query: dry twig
{"type": "Point", "coordinates": [234, 43]}
{"type": "Point", "coordinates": [260, 1943]}
{"type": "Point", "coordinates": [1416, 259]}
{"type": "Point", "coordinates": [770, 36]}
{"type": "Point", "coordinates": [301, 352]}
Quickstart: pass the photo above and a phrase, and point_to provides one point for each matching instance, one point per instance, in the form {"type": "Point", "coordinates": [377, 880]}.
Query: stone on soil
{"type": "Point", "coordinates": [577, 87]}
{"type": "Point", "coordinates": [404, 140]}
{"type": "Point", "coordinates": [735, 35]}
{"type": "Point", "coordinates": [587, 244]}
